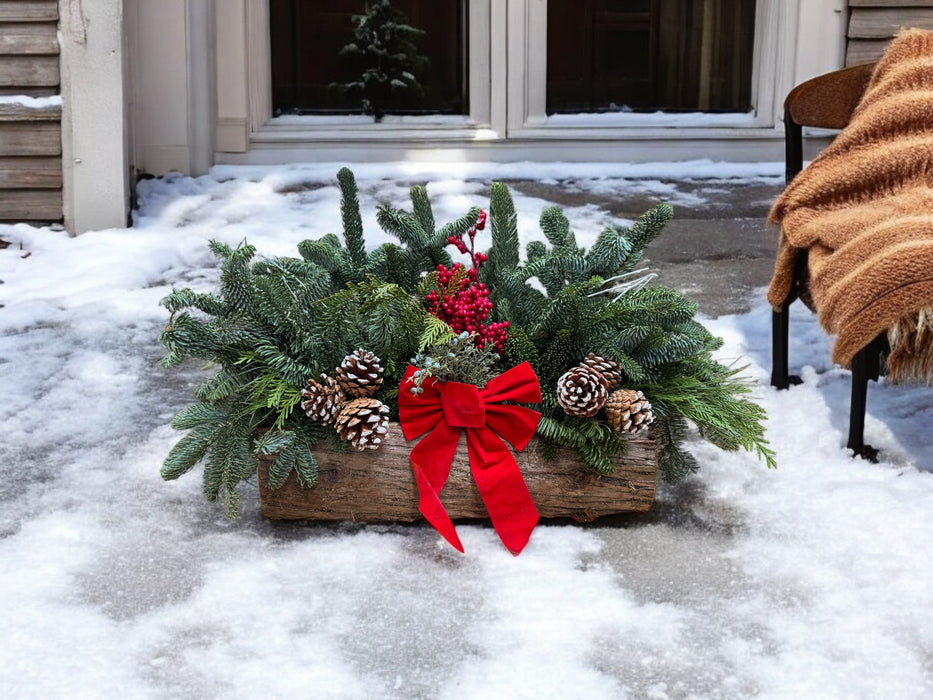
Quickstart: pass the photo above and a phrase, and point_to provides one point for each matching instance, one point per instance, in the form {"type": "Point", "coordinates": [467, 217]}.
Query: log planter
{"type": "Point", "coordinates": [378, 485]}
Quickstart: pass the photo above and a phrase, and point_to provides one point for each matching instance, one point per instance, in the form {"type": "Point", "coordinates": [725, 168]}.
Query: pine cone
{"type": "Point", "coordinates": [610, 369]}
{"type": "Point", "coordinates": [363, 422]}
{"type": "Point", "coordinates": [629, 411]}
{"type": "Point", "coordinates": [581, 391]}
{"type": "Point", "coordinates": [322, 399]}
{"type": "Point", "coordinates": [360, 374]}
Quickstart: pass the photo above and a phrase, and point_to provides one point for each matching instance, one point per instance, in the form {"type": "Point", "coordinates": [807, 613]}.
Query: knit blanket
{"type": "Point", "coordinates": [863, 211]}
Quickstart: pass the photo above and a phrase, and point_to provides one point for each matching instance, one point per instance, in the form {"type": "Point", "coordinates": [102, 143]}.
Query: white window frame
{"type": "Point", "coordinates": [794, 40]}
{"type": "Point", "coordinates": [776, 22]}
{"type": "Point", "coordinates": [484, 121]}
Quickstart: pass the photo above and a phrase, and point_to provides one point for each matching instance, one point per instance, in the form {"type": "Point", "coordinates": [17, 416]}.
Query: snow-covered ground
{"type": "Point", "coordinates": [809, 581]}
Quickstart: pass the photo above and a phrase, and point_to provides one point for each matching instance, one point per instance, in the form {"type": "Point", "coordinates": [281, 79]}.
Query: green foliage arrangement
{"type": "Point", "coordinates": [275, 323]}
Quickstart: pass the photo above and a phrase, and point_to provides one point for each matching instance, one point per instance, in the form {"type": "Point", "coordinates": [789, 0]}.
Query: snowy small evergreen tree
{"type": "Point", "coordinates": [385, 47]}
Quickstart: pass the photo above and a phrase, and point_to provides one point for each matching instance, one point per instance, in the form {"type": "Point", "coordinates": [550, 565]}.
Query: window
{"type": "Point", "coordinates": [648, 55]}
{"type": "Point", "coordinates": [308, 35]}
{"type": "Point", "coordinates": [514, 90]}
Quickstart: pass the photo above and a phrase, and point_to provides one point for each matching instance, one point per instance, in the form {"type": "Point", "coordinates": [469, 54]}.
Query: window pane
{"type": "Point", "coordinates": [646, 55]}
{"type": "Point", "coordinates": [308, 35]}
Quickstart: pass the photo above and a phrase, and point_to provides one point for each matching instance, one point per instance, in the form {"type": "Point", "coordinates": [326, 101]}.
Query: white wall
{"type": "Point", "coordinates": [172, 82]}
{"type": "Point", "coordinates": [95, 163]}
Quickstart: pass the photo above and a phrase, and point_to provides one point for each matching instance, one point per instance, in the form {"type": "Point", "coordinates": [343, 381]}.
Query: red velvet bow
{"type": "Point", "coordinates": [445, 408]}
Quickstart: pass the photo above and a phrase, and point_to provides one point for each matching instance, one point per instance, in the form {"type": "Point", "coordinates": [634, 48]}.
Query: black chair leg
{"type": "Point", "coordinates": [865, 366]}
{"type": "Point", "coordinates": [780, 337]}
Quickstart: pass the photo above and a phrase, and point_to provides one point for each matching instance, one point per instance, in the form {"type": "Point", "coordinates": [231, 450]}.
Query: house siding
{"type": "Point", "coordinates": [30, 137]}
{"type": "Point", "coordinates": [872, 24]}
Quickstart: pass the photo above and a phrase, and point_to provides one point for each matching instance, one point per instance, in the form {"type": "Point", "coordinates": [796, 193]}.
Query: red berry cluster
{"type": "Point", "coordinates": [477, 258]}
{"type": "Point", "coordinates": [462, 302]}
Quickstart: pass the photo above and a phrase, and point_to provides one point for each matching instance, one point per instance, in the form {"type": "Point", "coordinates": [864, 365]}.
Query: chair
{"type": "Point", "coordinates": [826, 101]}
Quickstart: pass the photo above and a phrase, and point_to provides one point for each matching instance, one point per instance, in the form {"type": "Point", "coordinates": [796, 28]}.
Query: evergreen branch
{"type": "Point", "coordinates": [503, 255]}
{"type": "Point", "coordinates": [184, 336]}
{"type": "Point", "coordinates": [219, 387]}
{"type": "Point", "coordinates": [663, 306]}
{"type": "Point", "coordinates": [723, 418]}
{"type": "Point", "coordinates": [235, 278]}
{"type": "Point", "coordinates": [556, 269]}
{"type": "Point", "coordinates": [283, 367]}
{"type": "Point", "coordinates": [556, 229]}
{"type": "Point", "coordinates": [606, 347]}
{"type": "Point", "coordinates": [403, 226]}
{"type": "Point", "coordinates": [559, 433]}
{"type": "Point", "coordinates": [230, 461]}
{"type": "Point", "coordinates": [595, 458]}
{"type": "Point", "coordinates": [270, 392]}
{"type": "Point", "coordinates": [188, 451]}
{"type": "Point", "coordinates": [535, 250]}
{"type": "Point", "coordinates": [283, 445]}
{"type": "Point", "coordinates": [455, 228]}
{"type": "Point", "coordinates": [352, 220]}
{"type": "Point", "coordinates": [436, 332]}
{"type": "Point", "coordinates": [519, 348]}
{"type": "Point", "coordinates": [421, 206]}
{"type": "Point", "coordinates": [607, 255]}
{"type": "Point", "coordinates": [332, 258]}
{"type": "Point", "coordinates": [308, 434]}
{"type": "Point", "coordinates": [674, 463]}
{"type": "Point", "coordinates": [219, 249]}
{"type": "Point", "coordinates": [400, 268]}
{"type": "Point", "coordinates": [642, 232]}
{"type": "Point", "coordinates": [180, 299]}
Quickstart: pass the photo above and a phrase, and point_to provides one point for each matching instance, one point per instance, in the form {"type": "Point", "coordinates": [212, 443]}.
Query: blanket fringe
{"type": "Point", "coordinates": [911, 355]}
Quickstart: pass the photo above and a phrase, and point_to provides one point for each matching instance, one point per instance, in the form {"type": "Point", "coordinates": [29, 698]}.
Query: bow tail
{"type": "Point", "coordinates": [430, 463]}
{"type": "Point", "coordinates": [500, 483]}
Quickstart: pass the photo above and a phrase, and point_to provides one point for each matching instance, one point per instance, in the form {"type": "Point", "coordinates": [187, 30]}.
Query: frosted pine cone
{"type": "Point", "coordinates": [581, 391]}
{"type": "Point", "coordinates": [363, 422]}
{"type": "Point", "coordinates": [360, 374]}
{"type": "Point", "coordinates": [322, 399]}
{"type": "Point", "coordinates": [629, 411]}
{"type": "Point", "coordinates": [610, 369]}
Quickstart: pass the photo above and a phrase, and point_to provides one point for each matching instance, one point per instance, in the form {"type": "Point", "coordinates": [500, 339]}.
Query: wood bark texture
{"type": "Point", "coordinates": [378, 485]}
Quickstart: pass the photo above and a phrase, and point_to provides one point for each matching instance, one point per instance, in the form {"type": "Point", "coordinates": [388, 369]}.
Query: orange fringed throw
{"type": "Point", "coordinates": [863, 209]}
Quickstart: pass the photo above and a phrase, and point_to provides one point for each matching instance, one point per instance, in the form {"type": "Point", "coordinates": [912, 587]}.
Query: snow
{"type": "Point", "coordinates": [811, 580]}
{"type": "Point", "coordinates": [318, 120]}
{"type": "Point", "coordinates": [624, 116]}
{"type": "Point", "coordinates": [453, 172]}
{"type": "Point", "coordinates": [32, 102]}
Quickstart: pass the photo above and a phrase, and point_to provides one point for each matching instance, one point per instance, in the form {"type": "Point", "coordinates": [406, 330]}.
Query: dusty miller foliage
{"type": "Point", "coordinates": [275, 322]}
{"type": "Point", "coordinates": [456, 359]}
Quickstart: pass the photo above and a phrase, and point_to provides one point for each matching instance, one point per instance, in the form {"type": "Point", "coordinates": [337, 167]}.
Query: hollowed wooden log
{"type": "Point", "coordinates": [378, 485]}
